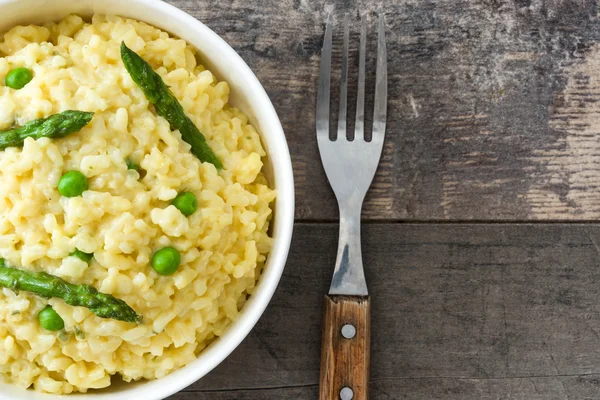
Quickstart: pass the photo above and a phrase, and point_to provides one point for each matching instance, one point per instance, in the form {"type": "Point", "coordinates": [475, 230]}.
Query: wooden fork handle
{"type": "Point", "coordinates": [345, 348]}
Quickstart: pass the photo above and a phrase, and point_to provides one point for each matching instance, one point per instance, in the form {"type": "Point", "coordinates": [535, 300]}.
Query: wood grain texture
{"type": "Point", "coordinates": [345, 360]}
{"type": "Point", "coordinates": [492, 103]}
{"type": "Point", "coordinates": [460, 312]}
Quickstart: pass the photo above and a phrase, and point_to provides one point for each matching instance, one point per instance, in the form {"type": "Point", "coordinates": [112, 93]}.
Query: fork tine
{"type": "Point", "coordinates": [324, 84]}
{"type": "Point", "coordinates": [341, 134]}
{"type": "Point", "coordinates": [359, 125]}
{"type": "Point", "coordinates": [380, 107]}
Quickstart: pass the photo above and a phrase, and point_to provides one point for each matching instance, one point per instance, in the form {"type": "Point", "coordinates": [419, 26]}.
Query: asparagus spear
{"type": "Point", "coordinates": [54, 126]}
{"type": "Point", "coordinates": [166, 104]}
{"type": "Point", "coordinates": [46, 285]}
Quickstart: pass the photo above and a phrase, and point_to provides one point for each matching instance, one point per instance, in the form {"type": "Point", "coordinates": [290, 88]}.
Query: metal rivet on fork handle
{"type": "Point", "coordinates": [346, 394]}
{"type": "Point", "coordinates": [348, 331]}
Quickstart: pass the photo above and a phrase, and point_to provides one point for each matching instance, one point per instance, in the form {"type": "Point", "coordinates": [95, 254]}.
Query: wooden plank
{"type": "Point", "coordinates": [493, 110]}
{"type": "Point", "coordinates": [459, 311]}
{"type": "Point", "coordinates": [546, 388]}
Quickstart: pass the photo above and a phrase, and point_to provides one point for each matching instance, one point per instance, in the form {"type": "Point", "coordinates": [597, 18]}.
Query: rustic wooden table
{"type": "Point", "coordinates": [479, 251]}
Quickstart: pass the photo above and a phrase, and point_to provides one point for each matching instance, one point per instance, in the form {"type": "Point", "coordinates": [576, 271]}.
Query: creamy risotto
{"type": "Point", "coordinates": [126, 214]}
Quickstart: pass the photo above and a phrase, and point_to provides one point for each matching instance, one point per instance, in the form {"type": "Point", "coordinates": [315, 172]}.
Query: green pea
{"type": "Point", "coordinates": [72, 184]}
{"type": "Point", "coordinates": [165, 261]}
{"type": "Point", "coordinates": [50, 320]}
{"type": "Point", "coordinates": [87, 257]}
{"type": "Point", "coordinates": [18, 78]}
{"type": "Point", "coordinates": [186, 203]}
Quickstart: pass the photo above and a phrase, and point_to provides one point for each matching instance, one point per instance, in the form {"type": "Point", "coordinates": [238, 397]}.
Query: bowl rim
{"type": "Point", "coordinates": [279, 157]}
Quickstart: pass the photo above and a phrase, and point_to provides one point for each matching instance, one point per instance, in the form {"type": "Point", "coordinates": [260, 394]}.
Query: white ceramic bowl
{"type": "Point", "coordinates": [247, 94]}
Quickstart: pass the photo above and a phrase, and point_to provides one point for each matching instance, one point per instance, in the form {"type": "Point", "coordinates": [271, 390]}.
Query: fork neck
{"type": "Point", "coordinates": [349, 277]}
{"type": "Point", "coordinates": [351, 209]}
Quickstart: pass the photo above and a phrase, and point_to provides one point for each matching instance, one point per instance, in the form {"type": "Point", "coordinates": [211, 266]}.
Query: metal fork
{"type": "Point", "coordinates": [350, 166]}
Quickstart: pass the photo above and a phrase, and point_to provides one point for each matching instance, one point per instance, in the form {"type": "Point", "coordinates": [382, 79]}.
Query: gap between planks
{"type": "Point", "coordinates": [451, 222]}
{"type": "Point", "coordinates": [251, 389]}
